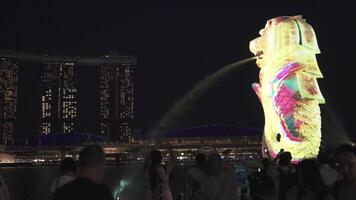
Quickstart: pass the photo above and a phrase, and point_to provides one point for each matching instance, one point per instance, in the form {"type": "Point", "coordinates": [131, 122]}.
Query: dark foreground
{"type": "Point", "coordinates": [127, 181]}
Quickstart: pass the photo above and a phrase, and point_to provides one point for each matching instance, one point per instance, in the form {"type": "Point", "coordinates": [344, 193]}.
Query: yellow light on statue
{"type": "Point", "coordinates": [288, 88]}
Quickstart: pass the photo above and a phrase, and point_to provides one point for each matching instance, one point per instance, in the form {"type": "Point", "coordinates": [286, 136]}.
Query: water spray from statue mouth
{"type": "Point", "coordinates": [259, 54]}
{"type": "Point", "coordinates": [180, 108]}
{"type": "Point", "coordinates": [177, 112]}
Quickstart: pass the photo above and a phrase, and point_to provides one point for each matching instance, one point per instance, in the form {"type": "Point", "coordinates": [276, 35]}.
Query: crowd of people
{"type": "Point", "coordinates": [329, 177]}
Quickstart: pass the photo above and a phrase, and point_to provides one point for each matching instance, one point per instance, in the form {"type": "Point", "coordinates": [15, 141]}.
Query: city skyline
{"type": "Point", "coordinates": [178, 44]}
{"type": "Point", "coordinates": [59, 97]}
{"type": "Point", "coordinates": [116, 101]}
{"type": "Point", "coordinates": [8, 99]}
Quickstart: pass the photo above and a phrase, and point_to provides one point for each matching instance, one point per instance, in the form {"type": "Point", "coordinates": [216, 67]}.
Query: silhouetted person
{"type": "Point", "coordinates": [266, 167]}
{"type": "Point", "coordinates": [265, 163]}
{"type": "Point", "coordinates": [277, 156]}
{"type": "Point", "coordinates": [217, 185]}
{"type": "Point", "coordinates": [158, 176]}
{"type": "Point", "coordinates": [68, 169]}
{"type": "Point", "coordinates": [310, 185]}
{"type": "Point", "coordinates": [345, 189]}
{"type": "Point", "coordinates": [263, 187]}
{"type": "Point", "coordinates": [332, 163]}
{"type": "Point", "coordinates": [287, 176]}
{"type": "Point", "coordinates": [196, 175]}
{"type": "Point", "coordinates": [328, 174]}
{"type": "Point", "coordinates": [4, 190]}
{"type": "Point", "coordinates": [90, 173]}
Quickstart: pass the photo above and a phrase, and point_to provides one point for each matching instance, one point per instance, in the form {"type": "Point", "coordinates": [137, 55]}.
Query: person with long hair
{"type": "Point", "coordinates": [158, 176]}
{"type": "Point", "coordinates": [310, 185]}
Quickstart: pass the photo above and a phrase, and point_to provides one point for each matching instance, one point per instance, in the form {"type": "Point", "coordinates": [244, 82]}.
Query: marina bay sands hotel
{"type": "Point", "coordinates": [59, 94]}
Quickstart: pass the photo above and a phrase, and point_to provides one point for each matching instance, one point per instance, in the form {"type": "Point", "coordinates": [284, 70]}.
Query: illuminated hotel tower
{"type": "Point", "coordinates": [8, 99]}
{"type": "Point", "coordinates": [59, 98]}
{"type": "Point", "coordinates": [116, 101]}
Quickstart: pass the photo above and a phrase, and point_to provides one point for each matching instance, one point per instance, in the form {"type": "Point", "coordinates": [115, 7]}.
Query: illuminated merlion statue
{"type": "Point", "coordinates": [288, 88]}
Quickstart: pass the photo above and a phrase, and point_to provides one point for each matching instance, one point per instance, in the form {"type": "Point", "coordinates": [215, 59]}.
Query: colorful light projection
{"type": "Point", "coordinates": [288, 88]}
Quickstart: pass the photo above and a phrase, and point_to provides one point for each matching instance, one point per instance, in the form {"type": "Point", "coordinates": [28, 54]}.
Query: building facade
{"type": "Point", "coordinates": [59, 94]}
{"type": "Point", "coordinates": [59, 98]}
{"type": "Point", "coordinates": [8, 99]}
{"type": "Point", "coordinates": [116, 101]}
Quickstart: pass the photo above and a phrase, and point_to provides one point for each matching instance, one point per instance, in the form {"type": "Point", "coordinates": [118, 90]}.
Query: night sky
{"type": "Point", "coordinates": [177, 44]}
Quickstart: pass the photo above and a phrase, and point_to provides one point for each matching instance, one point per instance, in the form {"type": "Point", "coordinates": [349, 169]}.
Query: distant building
{"type": "Point", "coordinates": [232, 142]}
{"type": "Point", "coordinates": [8, 99]}
{"type": "Point", "coordinates": [59, 94]}
{"type": "Point", "coordinates": [59, 98]}
{"type": "Point", "coordinates": [117, 100]}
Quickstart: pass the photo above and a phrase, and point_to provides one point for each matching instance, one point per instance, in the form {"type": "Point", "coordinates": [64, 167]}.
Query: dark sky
{"type": "Point", "coordinates": [178, 43]}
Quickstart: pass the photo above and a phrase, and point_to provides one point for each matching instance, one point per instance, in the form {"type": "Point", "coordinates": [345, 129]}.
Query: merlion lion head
{"type": "Point", "coordinates": [281, 34]}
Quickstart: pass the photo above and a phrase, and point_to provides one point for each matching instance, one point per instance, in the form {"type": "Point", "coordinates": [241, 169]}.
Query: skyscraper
{"type": "Point", "coordinates": [8, 99]}
{"type": "Point", "coordinates": [59, 98]}
{"type": "Point", "coordinates": [117, 101]}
